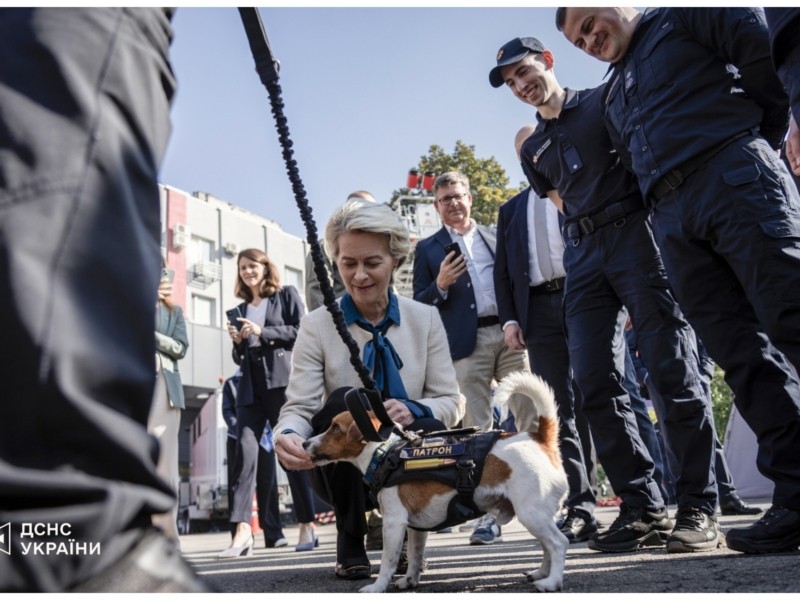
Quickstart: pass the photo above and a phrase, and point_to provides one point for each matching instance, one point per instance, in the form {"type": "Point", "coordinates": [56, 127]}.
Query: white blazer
{"type": "Point", "coordinates": [321, 364]}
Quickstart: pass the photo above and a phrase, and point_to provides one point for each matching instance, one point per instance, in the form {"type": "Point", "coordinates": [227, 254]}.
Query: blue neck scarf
{"type": "Point", "coordinates": [379, 356]}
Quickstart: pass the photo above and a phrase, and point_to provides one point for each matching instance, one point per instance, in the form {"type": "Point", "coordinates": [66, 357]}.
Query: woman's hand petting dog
{"type": "Point", "coordinates": [289, 447]}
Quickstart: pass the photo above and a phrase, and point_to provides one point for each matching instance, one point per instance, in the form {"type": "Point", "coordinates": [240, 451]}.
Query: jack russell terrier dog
{"type": "Point", "coordinates": [522, 476]}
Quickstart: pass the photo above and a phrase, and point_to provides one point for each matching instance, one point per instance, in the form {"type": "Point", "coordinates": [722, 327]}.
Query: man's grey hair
{"type": "Point", "coordinates": [369, 217]}
{"type": "Point", "coordinates": [450, 178]}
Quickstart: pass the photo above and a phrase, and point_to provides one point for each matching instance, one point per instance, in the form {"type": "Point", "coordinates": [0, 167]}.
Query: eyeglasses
{"type": "Point", "coordinates": [448, 199]}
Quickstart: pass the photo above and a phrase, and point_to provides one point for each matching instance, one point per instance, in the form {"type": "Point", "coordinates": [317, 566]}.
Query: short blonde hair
{"type": "Point", "coordinates": [369, 217]}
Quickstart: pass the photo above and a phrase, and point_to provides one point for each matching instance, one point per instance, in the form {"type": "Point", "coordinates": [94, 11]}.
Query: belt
{"type": "Point", "coordinates": [554, 285]}
{"type": "Point", "coordinates": [676, 177]}
{"type": "Point", "coordinates": [488, 321]}
{"type": "Point", "coordinates": [613, 213]}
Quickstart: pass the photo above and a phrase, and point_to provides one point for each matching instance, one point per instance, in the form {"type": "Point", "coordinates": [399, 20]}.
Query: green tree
{"type": "Point", "coordinates": [721, 401]}
{"type": "Point", "coordinates": [488, 180]}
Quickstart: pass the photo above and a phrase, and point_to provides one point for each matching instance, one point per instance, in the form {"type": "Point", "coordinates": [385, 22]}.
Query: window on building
{"type": "Point", "coordinates": [294, 277]}
{"type": "Point", "coordinates": [201, 250]}
{"type": "Point", "coordinates": [204, 310]}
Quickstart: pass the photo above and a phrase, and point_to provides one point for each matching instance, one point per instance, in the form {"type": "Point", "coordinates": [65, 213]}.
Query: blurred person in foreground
{"type": "Point", "coordinates": [84, 121]}
{"type": "Point", "coordinates": [404, 345]}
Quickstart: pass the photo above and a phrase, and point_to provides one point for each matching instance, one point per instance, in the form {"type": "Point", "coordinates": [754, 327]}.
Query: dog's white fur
{"type": "Point", "coordinates": [524, 477]}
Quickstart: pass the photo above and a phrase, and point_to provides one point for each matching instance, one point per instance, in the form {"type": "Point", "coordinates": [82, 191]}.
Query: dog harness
{"type": "Point", "coordinates": [454, 458]}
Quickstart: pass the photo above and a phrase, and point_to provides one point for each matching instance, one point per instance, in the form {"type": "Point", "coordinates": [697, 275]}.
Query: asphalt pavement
{"type": "Point", "coordinates": [455, 566]}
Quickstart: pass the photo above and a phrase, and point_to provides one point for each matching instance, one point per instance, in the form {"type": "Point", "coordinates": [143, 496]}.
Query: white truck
{"type": "Point", "coordinates": [206, 507]}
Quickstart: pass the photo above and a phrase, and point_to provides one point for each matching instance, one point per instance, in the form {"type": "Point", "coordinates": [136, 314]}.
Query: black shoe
{"type": "Point", "coordinates": [577, 529]}
{"type": "Point", "coordinates": [634, 529]}
{"type": "Point", "coordinates": [154, 564]}
{"type": "Point", "coordinates": [279, 543]}
{"type": "Point", "coordinates": [353, 572]}
{"type": "Point", "coordinates": [733, 505]}
{"type": "Point", "coordinates": [694, 531]}
{"type": "Point", "coordinates": [777, 531]}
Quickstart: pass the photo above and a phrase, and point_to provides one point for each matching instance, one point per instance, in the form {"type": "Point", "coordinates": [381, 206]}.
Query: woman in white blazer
{"type": "Point", "coordinates": [403, 343]}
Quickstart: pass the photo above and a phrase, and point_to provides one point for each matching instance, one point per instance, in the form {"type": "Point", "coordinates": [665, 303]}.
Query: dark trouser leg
{"type": "Point", "coordinates": [80, 145]}
{"type": "Point", "coordinates": [606, 405]}
{"type": "Point", "coordinates": [549, 358]}
{"type": "Point", "coordinates": [667, 348]}
{"type": "Point", "coordinates": [269, 510]}
{"type": "Point", "coordinates": [595, 320]}
{"type": "Point", "coordinates": [647, 429]}
{"type": "Point", "coordinates": [725, 271]}
{"type": "Point", "coordinates": [587, 444]}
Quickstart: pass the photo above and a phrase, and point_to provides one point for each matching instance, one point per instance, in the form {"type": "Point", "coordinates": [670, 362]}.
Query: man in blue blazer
{"type": "Point", "coordinates": [453, 270]}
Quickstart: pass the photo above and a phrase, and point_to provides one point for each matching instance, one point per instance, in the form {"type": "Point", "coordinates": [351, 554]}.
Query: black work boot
{"type": "Point", "coordinates": [777, 531]}
{"type": "Point", "coordinates": [695, 531]}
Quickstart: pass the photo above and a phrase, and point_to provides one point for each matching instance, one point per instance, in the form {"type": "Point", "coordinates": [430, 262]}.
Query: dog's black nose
{"type": "Point", "coordinates": [305, 444]}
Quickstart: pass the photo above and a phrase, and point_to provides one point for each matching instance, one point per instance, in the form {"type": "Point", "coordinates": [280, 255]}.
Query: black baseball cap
{"type": "Point", "coordinates": [512, 52]}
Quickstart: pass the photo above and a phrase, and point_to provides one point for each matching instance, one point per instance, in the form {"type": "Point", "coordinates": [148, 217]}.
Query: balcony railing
{"type": "Point", "coordinates": [203, 273]}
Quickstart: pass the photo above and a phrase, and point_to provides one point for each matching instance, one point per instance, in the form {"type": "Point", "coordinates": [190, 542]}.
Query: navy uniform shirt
{"type": "Point", "coordinates": [692, 77]}
{"type": "Point", "coordinates": [573, 154]}
{"type": "Point", "coordinates": [784, 31]}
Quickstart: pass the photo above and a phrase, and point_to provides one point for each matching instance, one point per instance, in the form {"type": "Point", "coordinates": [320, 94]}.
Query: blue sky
{"type": "Point", "coordinates": [367, 91]}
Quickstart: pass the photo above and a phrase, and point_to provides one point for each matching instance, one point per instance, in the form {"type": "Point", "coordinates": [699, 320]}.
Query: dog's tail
{"type": "Point", "coordinates": [545, 421]}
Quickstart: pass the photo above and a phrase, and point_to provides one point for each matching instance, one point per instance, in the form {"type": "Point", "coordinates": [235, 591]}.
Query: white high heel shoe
{"type": "Point", "coordinates": [245, 549]}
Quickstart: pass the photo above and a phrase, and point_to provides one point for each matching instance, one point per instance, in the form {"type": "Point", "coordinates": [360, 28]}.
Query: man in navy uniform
{"type": "Point", "coordinates": [529, 302]}
{"type": "Point", "coordinates": [696, 111]}
{"type": "Point", "coordinates": [612, 262]}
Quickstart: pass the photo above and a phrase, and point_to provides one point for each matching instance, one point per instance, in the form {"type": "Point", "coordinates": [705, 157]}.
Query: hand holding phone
{"type": "Point", "coordinates": [234, 314]}
{"type": "Point", "coordinates": [167, 274]}
{"type": "Point", "coordinates": [453, 247]}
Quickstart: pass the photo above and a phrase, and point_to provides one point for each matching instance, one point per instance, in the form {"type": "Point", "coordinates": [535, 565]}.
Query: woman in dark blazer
{"type": "Point", "coordinates": [263, 336]}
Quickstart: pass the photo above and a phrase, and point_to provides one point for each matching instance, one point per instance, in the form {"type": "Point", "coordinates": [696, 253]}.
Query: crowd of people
{"type": "Point", "coordinates": [667, 205]}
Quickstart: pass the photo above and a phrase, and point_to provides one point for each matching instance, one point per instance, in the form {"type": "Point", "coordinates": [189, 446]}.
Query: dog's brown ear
{"type": "Point", "coordinates": [354, 434]}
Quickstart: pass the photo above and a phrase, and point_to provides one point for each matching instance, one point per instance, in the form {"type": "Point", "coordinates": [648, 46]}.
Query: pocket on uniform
{"type": "Point", "coordinates": [741, 176]}
{"type": "Point", "coordinates": [781, 228]}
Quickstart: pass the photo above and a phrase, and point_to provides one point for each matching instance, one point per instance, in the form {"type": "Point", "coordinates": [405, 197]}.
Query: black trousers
{"type": "Point", "coordinates": [84, 121]}
{"type": "Point", "coordinates": [254, 464]}
{"type": "Point", "coordinates": [341, 485]}
{"type": "Point", "coordinates": [548, 356]}
{"type": "Point", "coordinates": [730, 239]}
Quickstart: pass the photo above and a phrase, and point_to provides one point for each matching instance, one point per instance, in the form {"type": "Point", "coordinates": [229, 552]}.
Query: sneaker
{"type": "Point", "coordinates": [694, 531]}
{"type": "Point", "coordinates": [777, 531]}
{"type": "Point", "coordinates": [577, 529]}
{"type": "Point", "coordinates": [634, 529]}
{"type": "Point", "coordinates": [487, 531]}
{"type": "Point", "coordinates": [733, 505]}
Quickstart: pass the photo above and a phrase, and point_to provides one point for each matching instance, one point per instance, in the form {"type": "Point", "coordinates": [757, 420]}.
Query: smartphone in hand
{"type": "Point", "coordinates": [168, 274]}
{"type": "Point", "coordinates": [234, 315]}
{"type": "Point", "coordinates": [453, 247]}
